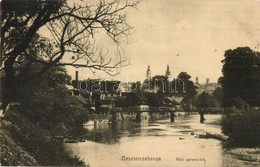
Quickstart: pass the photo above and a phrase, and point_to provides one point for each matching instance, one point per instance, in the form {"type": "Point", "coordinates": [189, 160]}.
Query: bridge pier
{"type": "Point", "coordinates": [172, 116]}
{"type": "Point", "coordinates": [202, 119]}
{"type": "Point", "coordinates": [122, 116]}
{"type": "Point", "coordinates": [138, 117]}
{"type": "Point", "coordinates": [113, 117]}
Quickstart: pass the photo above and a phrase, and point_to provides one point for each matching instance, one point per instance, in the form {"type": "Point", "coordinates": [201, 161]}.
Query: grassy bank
{"type": "Point", "coordinates": [241, 156]}
{"type": "Point", "coordinates": [242, 128]}
{"type": "Point", "coordinates": [243, 145]}
{"type": "Point", "coordinates": [25, 143]}
{"type": "Point", "coordinates": [11, 152]}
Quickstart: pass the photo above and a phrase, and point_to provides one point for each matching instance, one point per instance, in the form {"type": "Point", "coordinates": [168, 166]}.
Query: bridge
{"type": "Point", "coordinates": [171, 110]}
{"type": "Point", "coordinates": [212, 110]}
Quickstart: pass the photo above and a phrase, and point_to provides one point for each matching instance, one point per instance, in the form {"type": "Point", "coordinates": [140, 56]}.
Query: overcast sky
{"type": "Point", "coordinates": [189, 35]}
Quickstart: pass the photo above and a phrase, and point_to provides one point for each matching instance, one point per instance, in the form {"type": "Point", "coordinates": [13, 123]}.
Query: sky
{"type": "Point", "coordinates": [189, 35]}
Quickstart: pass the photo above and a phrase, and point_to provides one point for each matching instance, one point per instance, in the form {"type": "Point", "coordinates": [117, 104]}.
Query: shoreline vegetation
{"type": "Point", "coordinates": [24, 143]}
{"type": "Point", "coordinates": [243, 145]}
{"type": "Point", "coordinates": [242, 127]}
{"type": "Point", "coordinates": [33, 70]}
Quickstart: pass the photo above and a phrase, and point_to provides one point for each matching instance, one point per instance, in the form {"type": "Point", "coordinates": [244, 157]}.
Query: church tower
{"type": "Point", "coordinates": [207, 80]}
{"type": "Point", "coordinates": [197, 80]}
{"type": "Point", "coordinates": [168, 72]}
{"type": "Point", "coordinates": [148, 73]}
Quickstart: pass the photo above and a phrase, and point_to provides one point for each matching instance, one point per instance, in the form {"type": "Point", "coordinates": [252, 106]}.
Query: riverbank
{"type": "Point", "coordinates": [11, 152]}
{"type": "Point", "coordinates": [243, 146]}
{"type": "Point", "coordinates": [235, 155]}
{"type": "Point", "coordinates": [24, 143]}
{"type": "Point", "coordinates": [248, 157]}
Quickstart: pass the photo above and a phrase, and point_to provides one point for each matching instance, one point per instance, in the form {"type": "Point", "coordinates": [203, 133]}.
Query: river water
{"type": "Point", "coordinates": [151, 143]}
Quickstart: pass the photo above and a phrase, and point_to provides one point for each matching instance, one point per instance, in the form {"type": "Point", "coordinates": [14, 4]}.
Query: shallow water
{"type": "Point", "coordinates": [153, 142]}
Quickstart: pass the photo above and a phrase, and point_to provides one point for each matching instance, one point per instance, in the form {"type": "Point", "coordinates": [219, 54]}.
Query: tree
{"type": "Point", "coordinates": [205, 100]}
{"type": "Point", "coordinates": [184, 83]}
{"type": "Point", "coordinates": [47, 100]}
{"type": "Point", "coordinates": [73, 29]}
{"type": "Point", "coordinates": [160, 84]}
{"type": "Point", "coordinates": [218, 94]}
{"type": "Point", "coordinates": [241, 76]}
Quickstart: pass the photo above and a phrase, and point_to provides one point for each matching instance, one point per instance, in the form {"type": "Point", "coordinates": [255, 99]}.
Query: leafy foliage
{"type": "Point", "coordinates": [205, 100]}
{"type": "Point", "coordinates": [218, 95]}
{"type": "Point", "coordinates": [189, 86]}
{"type": "Point", "coordinates": [241, 88]}
{"type": "Point", "coordinates": [39, 143]}
{"type": "Point", "coordinates": [241, 76]}
{"type": "Point", "coordinates": [47, 100]}
{"type": "Point", "coordinates": [242, 128]}
{"type": "Point", "coordinates": [72, 28]}
{"type": "Point", "coordinates": [161, 84]}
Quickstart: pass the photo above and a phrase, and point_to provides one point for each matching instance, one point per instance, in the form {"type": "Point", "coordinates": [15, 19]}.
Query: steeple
{"type": "Point", "coordinates": [168, 72]}
{"type": "Point", "coordinates": [148, 73]}
{"type": "Point", "coordinates": [207, 80]}
{"type": "Point", "coordinates": [197, 80]}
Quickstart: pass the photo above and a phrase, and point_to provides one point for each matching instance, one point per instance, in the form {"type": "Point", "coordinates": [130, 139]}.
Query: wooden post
{"type": "Point", "coordinates": [202, 119]}
{"type": "Point", "coordinates": [113, 116]}
{"type": "Point", "coordinates": [138, 117]}
{"type": "Point", "coordinates": [122, 116]}
{"type": "Point", "coordinates": [172, 116]}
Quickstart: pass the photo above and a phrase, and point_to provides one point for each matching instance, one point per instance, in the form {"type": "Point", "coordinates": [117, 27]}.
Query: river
{"type": "Point", "coordinates": [152, 142]}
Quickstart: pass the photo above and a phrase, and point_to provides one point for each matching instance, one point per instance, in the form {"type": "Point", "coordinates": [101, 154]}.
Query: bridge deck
{"type": "Point", "coordinates": [166, 109]}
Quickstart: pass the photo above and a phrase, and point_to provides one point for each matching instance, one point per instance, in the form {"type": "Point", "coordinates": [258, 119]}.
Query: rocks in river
{"type": "Point", "coordinates": [81, 140]}
{"type": "Point", "coordinates": [68, 139]}
{"type": "Point", "coordinates": [213, 136]}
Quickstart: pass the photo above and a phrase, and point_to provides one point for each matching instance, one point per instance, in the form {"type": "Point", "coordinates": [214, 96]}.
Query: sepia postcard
{"type": "Point", "coordinates": [130, 83]}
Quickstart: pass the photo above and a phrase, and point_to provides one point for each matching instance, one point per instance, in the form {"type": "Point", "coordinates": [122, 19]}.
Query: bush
{"type": "Point", "coordinates": [39, 143]}
{"type": "Point", "coordinates": [240, 103]}
{"type": "Point", "coordinates": [242, 128]}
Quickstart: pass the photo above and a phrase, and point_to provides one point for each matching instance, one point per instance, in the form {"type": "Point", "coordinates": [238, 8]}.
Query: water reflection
{"type": "Point", "coordinates": [156, 137]}
{"type": "Point", "coordinates": [111, 133]}
{"type": "Point", "coordinates": [185, 124]}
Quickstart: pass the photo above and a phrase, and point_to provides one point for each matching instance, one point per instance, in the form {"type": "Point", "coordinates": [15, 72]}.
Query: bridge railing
{"type": "Point", "coordinates": [210, 109]}
{"type": "Point", "coordinates": [163, 109]}
{"type": "Point", "coordinates": [142, 109]}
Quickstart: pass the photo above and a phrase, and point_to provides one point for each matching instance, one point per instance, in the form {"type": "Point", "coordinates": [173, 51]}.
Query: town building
{"type": "Point", "coordinates": [206, 87]}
